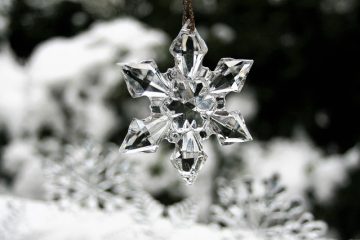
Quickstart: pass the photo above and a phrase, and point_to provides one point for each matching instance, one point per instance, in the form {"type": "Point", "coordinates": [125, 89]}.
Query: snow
{"type": "Point", "coordinates": [21, 160]}
{"type": "Point", "coordinates": [223, 32]}
{"type": "Point", "coordinates": [332, 173]}
{"type": "Point", "coordinates": [300, 164]}
{"type": "Point", "coordinates": [85, 65]}
{"type": "Point", "coordinates": [245, 102]}
{"type": "Point", "coordinates": [36, 220]}
{"type": "Point", "coordinates": [3, 24]}
{"type": "Point", "coordinates": [60, 60]}
{"type": "Point", "coordinates": [54, 79]}
{"type": "Point", "coordinates": [12, 91]}
{"type": "Point", "coordinates": [102, 121]}
{"type": "Point", "coordinates": [288, 158]}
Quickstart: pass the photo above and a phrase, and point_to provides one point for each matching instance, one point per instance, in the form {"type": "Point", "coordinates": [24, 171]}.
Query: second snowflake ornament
{"type": "Point", "coordinates": [187, 103]}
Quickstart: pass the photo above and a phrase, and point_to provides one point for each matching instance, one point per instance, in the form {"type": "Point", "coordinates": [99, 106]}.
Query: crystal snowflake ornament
{"type": "Point", "coordinates": [187, 103]}
{"type": "Point", "coordinates": [90, 176]}
{"type": "Point", "coordinates": [266, 210]}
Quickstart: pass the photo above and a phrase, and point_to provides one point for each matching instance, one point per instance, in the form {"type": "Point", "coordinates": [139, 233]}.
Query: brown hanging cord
{"type": "Point", "coordinates": [189, 14]}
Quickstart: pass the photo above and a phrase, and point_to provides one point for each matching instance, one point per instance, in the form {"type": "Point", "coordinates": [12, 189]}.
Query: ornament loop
{"type": "Point", "coordinates": [188, 14]}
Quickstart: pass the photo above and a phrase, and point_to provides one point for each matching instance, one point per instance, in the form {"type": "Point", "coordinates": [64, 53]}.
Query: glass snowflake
{"type": "Point", "coordinates": [187, 103]}
{"type": "Point", "coordinates": [90, 176]}
{"type": "Point", "coordinates": [266, 210]}
{"type": "Point", "coordinates": [181, 214]}
{"type": "Point", "coordinates": [155, 219]}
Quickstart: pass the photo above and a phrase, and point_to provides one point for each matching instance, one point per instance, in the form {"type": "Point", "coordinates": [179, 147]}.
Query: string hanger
{"type": "Point", "coordinates": [188, 14]}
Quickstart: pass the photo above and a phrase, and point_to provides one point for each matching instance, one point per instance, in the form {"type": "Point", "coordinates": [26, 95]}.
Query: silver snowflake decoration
{"type": "Point", "coordinates": [181, 214]}
{"type": "Point", "coordinates": [266, 210]}
{"type": "Point", "coordinates": [187, 103]}
{"type": "Point", "coordinates": [90, 176]}
{"type": "Point", "coordinates": [151, 214]}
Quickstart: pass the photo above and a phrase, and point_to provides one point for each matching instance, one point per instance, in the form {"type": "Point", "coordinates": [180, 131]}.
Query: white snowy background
{"type": "Point", "coordinates": [78, 76]}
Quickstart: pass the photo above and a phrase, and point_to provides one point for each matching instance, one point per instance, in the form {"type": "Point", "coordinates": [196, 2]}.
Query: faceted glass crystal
{"type": "Point", "coordinates": [188, 157]}
{"type": "Point", "coordinates": [230, 75]}
{"type": "Point", "coordinates": [144, 79]}
{"type": "Point", "coordinates": [264, 207]}
{"type": "Point", "coordinates": [189, 50]}
{"type": "Point", "coordinates": [145, 135]}
{"type": "Point", "coordinates": [187, 103]}
{"type": "Point", "coordinates": [229, 127]}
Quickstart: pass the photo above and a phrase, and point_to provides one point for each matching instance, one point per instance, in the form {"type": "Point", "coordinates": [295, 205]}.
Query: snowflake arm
{"type": "Point", "coordinates": [189, 157]}
{"type": "Point", "coordinates": [230, 75]}
{"type": "Point", "coordinates": [145, 79]}
{"type": "Point", "coordinates": [145, 135]}
{"type": "Point", "coordinates": [229, 128]}
{"type": "Point", "coordinates": [188, 50]}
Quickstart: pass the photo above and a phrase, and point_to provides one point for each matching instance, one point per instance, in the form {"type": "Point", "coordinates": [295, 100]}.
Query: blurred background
{"type": "Point", "coordinates": [59, 85]}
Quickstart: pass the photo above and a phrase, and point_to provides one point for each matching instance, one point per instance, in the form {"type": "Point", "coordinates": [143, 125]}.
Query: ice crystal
{"type": "Point", "coordinates": [148, 210]}
{"type": "Point", "coordinates": [91, 176]}
{"type": "Point", "coordinates": [266, 210]}
{"type": "Point", "coordinates": [156, 221]}
{"type": "Point", "coordinates": [184, 214]}
{"type": "Point", "coordinates": [187, 103]}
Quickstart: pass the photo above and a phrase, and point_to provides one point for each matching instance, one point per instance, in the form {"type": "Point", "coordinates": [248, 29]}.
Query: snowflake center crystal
{"type": "Point", "coordinates": [185, 114]}
{"type": "Point", "coordinates": [189, 104]}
